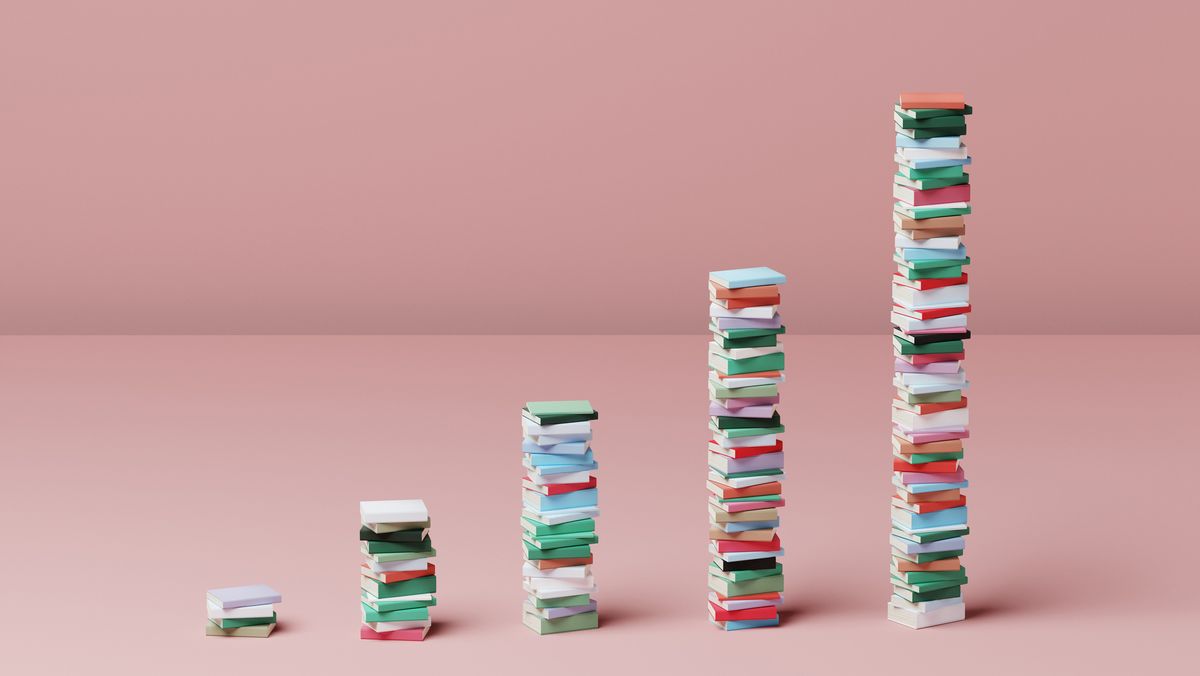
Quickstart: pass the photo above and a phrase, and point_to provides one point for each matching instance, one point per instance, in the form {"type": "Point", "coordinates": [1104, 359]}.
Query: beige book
{"type": "Point", "coordinates": [257, 631]}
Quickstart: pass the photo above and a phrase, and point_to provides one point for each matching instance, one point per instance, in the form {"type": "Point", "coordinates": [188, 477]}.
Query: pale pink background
{"type": "Point", "coordinates": [295, 166]}
{"type": "Point", "coordinates": [139, 472]}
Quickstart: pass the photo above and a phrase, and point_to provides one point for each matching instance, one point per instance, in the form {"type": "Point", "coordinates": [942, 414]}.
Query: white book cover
{"type": "Point", "coordinates": [736, 382]}
{"type": "Point", "coordinates": [756, 312]}
{"type": "Point", "coordinates": [915, 620]}
{"type": "Point", "coordinates": [388, 511]}
{"type": "Point", "coordinates": [560, 516]}
{"type": "Point", "coordinates": [939, 243]}
{"type": "Point", "coordinates": [955, 417]}
{"type": "Point", "coordinates": [959, 153]}
{"type": "Point", "coordinates": [552, 479]}
{"type": "Point", "coordinates": [959, 377]}
{"type": "Point", "coordinates": [398, 566]}
{"type": "Point", "coordinates": [532, 429]}
{"type": "Point", "coordinates": [928, 388]}
{"type": "Point", "coordinates": [910, 324]}
{"type": "Point", "coordinates": [925, 606]}
{"type": "Point", "coordinates": [545, 594]}
{"type": "Point", "coordinates": [216, 612]}
{"type": "Point", "coordinates": [552, 439]}
{"type": "Point", "coordinates": [564, 573]}
{"type": "Point", "coordinates": [744, 482]}
{"type": "Point", "coordinates": [370, 599]}
{"type": "Point", "coordinates": [380, 627]}
{"type": "Point", "coordinates": [957, 295]}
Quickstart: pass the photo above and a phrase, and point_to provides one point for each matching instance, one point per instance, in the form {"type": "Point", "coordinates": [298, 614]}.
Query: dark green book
{"type": "Point", "coordinates": [537, 554]}
{"type": "Point", "coordinates": [422, 546]}
{"type": "Point", "coordinates": [551, 542]}
{"type": "Point", "coordinates": [744, 575]}
{"type": "Point", "coordinates": [934, 133]}
{"type": "Point", "coordinates": [408, 615]}
{"type": "Point", "coordinates": [752, 498]}
{"type": "Point", "coordinates": [948, 347]}
{"type": "Point", "coordinates": [748, 333]}
{"type": "Point", "coordinates": [749, 431]}
{"type": "Point", "coordinates": [922, 538]}
{"type": "Point", "coordinates": [922, 587]}
{"type": "Point", "coordinates": [936, 273]}
{"type": "Point", "coordinates": [414, 535]}
{"type": "Point", "coordinates": [558, 412]}
{"type": "Point", "coordinates": [245, 622]}
{"type": "Point", "coordinates": [936, 172]}
{"type": "Point", "coordinates": [564, 602]}
{"type": "Point", "coordinates": [755, 341]}
{"type": "Point", "coordinates": [766, 362]}
{"type": "Point", "coordinates": [417, 585]}
{"type": "Point", "coordinates": [927, 576]}
{"type": "Point", "coordinates": [918, 597]}
{"type": "Point", "coordinates": [539, 529]}
{"type": "Point", "coordinates": [939, 122]}
{"type": "Point", "coordinates": [924, 113]}
{"type": "Point", "coordinates": [728, 422]}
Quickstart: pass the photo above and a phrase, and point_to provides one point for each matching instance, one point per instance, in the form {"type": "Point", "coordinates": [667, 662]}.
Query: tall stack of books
{"type": "Point", "coordinates": [557, 519]}
{"type": "Point", "coordinates": [930, 302]}
{"type": "Point", "coordinates": [745, 453]}
{"type": "Point", "coordinates": [247, 611]}
{"type": "Point", "coordinates": [398, 577]}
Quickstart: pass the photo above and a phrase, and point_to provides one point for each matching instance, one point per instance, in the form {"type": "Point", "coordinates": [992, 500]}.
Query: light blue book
{"type": "Point", "coordinates": [565, 448]}
{"type": "Point", "coordinates": [959, 254]}
{"type": "Point", "coordinates": [749, 556]}
{"type": "Point", "coordinates": [903, 141]}
{"type": "Point", "coordinates": [910, 547]}
{"type": "Point", "coordinates": [548, 503]}
{"type": "Point", "coordinates": [933, 488]}
{"type": "Point", "coordinates": [734, 625]}
{"type": "Point", "coordinates": [935, 163]}
{"type": "Point", "coordinates": [748, 525]}
{"type": "Point", "coordinates": [955, 516]}
{"type": "Point", "coordinates": [550, 470]}
{"type": "Point", "coordinates": [743, 277]}
{"type": "Point", "coordinates": [550, 459]}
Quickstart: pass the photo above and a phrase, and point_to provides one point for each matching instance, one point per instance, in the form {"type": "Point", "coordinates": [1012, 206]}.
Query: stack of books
{"type": "Point", "coordinates": [557, 519]}
{"type": "Point", "coordinates": [745, 453]}
{"type": "Point", "coordinates": [247, 611]}
{"type": "Point", "coordinates": [930, 302]}
{"type": "Point", "coordinates": [397, 577]}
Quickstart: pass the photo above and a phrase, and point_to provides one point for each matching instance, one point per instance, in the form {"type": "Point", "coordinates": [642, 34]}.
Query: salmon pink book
{"type": "Point", "coordinates": [726, 546]}
{"type": "Point", "coordinates": [941, 100]}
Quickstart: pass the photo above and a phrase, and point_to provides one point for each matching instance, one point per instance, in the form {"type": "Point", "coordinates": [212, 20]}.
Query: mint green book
{"type": "Point", "coordinates": [753, 498]}
{"type": "Point", "coordinates": [750, 432]}
{"type": "Point", "coordinates": [747, 333]}
{"type": "Point", "coordinates": [539, 529]}
{"type": "Point", "coordinates": [558, 412]}
{"type": "Point", "coordinates": [744, 575]}
{"type": "Point", "coordinates": [927, 576]}
{"type": "Point", "coordinates": [935, 273]}
{"type": "Point", "coordinates": [377, 547]}
{"type": "Point", "coordinates": [922, 538]}
{"type": "Point", "coordinates": [918, 597]}
{"type": "Point", "coordinates": [535, 554]}
{"type": "Point", "coordinates": [948, 397]}
{"type": "Point", "coordinates": [933, 265]}
{"type": "Point", "coordinates": [931, 183]}
{"type": "Point", "coordinates": [947, 347]}
{"type": "Point", "coordinates": [921, 587]}
{"type": "Point", "coordinates": [762, 585]}
{"type": "Point", "coordinates": [939, 122]}
{"type": "Point", "coordinates": [388, 605]}
{"type": "Point", "coordinates": [921, 458]}
{"type": "Point", "coordinates": [564, 602]}
{"type": "Point", "coordinates": [728, 422]}
{"type": "Point", "coordinates": [756, 341]}
{"type": "Point", "coordinates": [743, 475]}
{"type": "Point", "coordinates": [920, 213]}
{"type": "Point", "coordinates": [722, 392]}
{"type": "Point", "coordinates": [407, 615]}
{"type": "Point", "coordinates": [547, 542]}
{"type": "Point", "coordinates": [557, 626]}
{"type": "Point", "coordinates": [402, 556]}
{"type": "Point", "coordinates": [766, 362]}
{"type": "Point", "coordinates": [925, 113]}
{"type": "Point", "coordinates": [385, 590]}
{"type": "Point", "coordinates": [245, 622]}
{"type": "Point", "coordinates": [937, 172]}
{"type": "Point", "coordinates": [932, 556]}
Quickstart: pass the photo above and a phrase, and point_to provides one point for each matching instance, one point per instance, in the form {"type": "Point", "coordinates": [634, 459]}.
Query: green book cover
{"type": "Point", "coordinates": [414, 535]}
{"type": "Point", "coordinates": [756, 341]}
{"type": "Point", "coordinates": [245, 622]}
{"type": "Point", "coordinates": [737, 334]}
{"type": "Point", "coordinates": [564, 602]}
{"type": "Point", "coordinates": [922, 458]}
{"type": "Point", "coordinates": [950, 396]}
{"type": "Point", "coordinates": [936, 172]}
{"type": "Point", "coordinates": [540, 529]}
{"type": "Point", "coordinates": [934, 265]}
{"type": "Point", "coordinates": [753, 498]}
{"type": "Point", "coordinates": [762, 585]}
{"type": "Point", "coordinates": [423, 547]}
{"type": "Point", "coordinates": [555, 541]}
{"type": "Point", "coordinates": [417, 585]}
{"type": "Point", "coordinates": [935, 273]}
{"type": "Point", "coordinates": [743, 475]}
{"type": "Point", "coordinates": [920, 213]}
{"type": "Point", "coordinates": [932, 556]}
{"type": "Point", "coordinates": [744, 575]}
{"type": "Point", "coordinates": [388, 605]}
{"type": "Point", "coordinates": [557, 626]}
{"type": "Point", "coordinates": [931, 183]}
{"type": "Point", "coordinates": [727, 422]}
{"type": "Point", "coordinates": [407, 615]}
{"type": "Point", "coordinates": [947, 347]}
{"type": "Point", "coordinates": [766, 362]}
{"type": "Point", "coordinates": [571, 407]}
{"type": "Point", "coordinates": [749, 432]}
{"type": "Point", "coordinates": [926, 576]}
{"type": "Point", "coordinates": [922, 538]}
{"type": "Point", "coordinates": [939, 122]}
{"type": "Point", "coordinates": [389, 557]}
{"type": "Point", "coordinates": [924, 113]}
{"type": "Point", "coordinates": [722, 392]}
{"type": "Point", "coordinates": [918, 597]}
{"type": "Point", "coordinates": [536, 554]}
{"type": "Point", "coordinates": [934, 133]}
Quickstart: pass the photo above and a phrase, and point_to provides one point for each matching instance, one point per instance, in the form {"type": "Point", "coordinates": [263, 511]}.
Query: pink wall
{"type": "Point", "coordinates": [577, 166]}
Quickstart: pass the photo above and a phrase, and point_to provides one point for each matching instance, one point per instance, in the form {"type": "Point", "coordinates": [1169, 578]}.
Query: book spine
{"type": "Point", "coordinates": [929, 412]}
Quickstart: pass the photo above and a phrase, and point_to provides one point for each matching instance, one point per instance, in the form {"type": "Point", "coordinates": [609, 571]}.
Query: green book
{"type": "Point", "coordinates": [922, 458]}
{"type": "Point", "coordinates": [753, 498]}
{"type": "Point", "coordinates": [918, 597]}
{"type": "Point", "coordinates": [921, 587]}
{"type": "Point", "coordinates": [931, 183]}
{"type": "Point", "coordinates": [245, 622]}
{"type": "Point", "coordinates": [548, 542]}
{"type": "Point", "coordinates": [744, 575]}
{"type": "Point", "coordinates": [934, 133]}
{"type": "Point", "coordinates": [947, 347]}
{"type": "Point", "coordinates": [762, 585]}
{"type": "Point", "coordinates": [742, 475]}
{"type": "Point", "coordinates": [950, 396]}
{"type": "Point", "coordinates": [423, 547]}
{"type": "Point", "coordinates": [926, 576]}
{"type": "Point", "coordinates": [924, 113]}
{"type": "Point", "coordinates": [722, 392]}
{"type": "Point", "coordinates": [932, 556]}
{"type": "Point", "coordinates": [407, 615]}
{"type": "Point", "coordinates": [936, 172]}
{"type": "Point", "coordinates": [922, 538]}
{"type": "Point", "coordinates": [388, 605]}
{"type": "Point", "coordinates": [564, 602]}
{"type": "Point", "coordinates": [728, 422]}
{"type": "Point", "coordinates": [536, 554]}
{"type": "Point", "coordinates": [557, 626]}
{"type": "Point", "coordinates": [539, 529]}
{"type": "Point", "coordinates": [389, 557]}
{"type": "Point", "coordinates": [414, 535]}
{"type": "Point", "coordinates": [756, 341]}
{"type": "Point", "coordinates": [748, 432]}
{"type": "Point", "coordinates": [920, 213]}
{"type": "Point", "coordinates": [558, 412]}
{"type": "Point", "coordinates": [766, 362]}
{"type": "Point", "coordinates": [747, 333]}
{"type": "Point", "coordinates": [935, 273]}
{"type": "Point", "coordinates": [939, 122]}
{"type": "Point", "coordinates": [933, 265]}
{"type": "Point", "coordinates": [417, 585]}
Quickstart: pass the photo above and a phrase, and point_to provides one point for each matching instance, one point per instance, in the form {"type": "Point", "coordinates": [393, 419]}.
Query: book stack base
{"type": "Point", "coordinates": [398, 579]}
{"type": "Point", "coordinates": [242, 612]}
{"type": "Point", "coordinates": [559, 506]}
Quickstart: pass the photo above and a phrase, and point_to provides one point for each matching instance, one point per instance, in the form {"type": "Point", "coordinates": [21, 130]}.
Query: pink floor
{"type": "Point", "coordinates": [139, 471]}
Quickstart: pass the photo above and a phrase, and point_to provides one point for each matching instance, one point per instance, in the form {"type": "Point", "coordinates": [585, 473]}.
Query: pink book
{"type": "Point", "coordinates": [952, 193]}
{"type": "Point", "coordinates": [765, 411]}
{"type": "Point", "coordinates": [936, 367]}
{"type": "Point", "coordinates": [932, 477]}
{"type": "Point", "coordinates": [725, 546]}
{"type": "Point", "coordinates": [417, 634]}
{"type": "Point", "coordinates": [748, 401]}
{"type": "Point", "coordinates": [734, 507]}
{"type": "Point", "coordinates": [922, 332]}
{"type": "Point", "coordinates": [929, 437]}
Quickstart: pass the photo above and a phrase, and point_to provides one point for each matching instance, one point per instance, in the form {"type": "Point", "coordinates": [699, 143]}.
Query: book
{"type": "Point", "coordinates": [932, 618]}
{"type": "Point", "coordinates": [938, 100]}
{"type": "Point", "coordinates": [419, 634]}
{"type": "Point", "coordinates": [746, 277]}
{"type": "Point", "coordinates": [558, 412]}
{"type": "Point", "coordinates": [919, 113]}
{"type": "Point", "coordinates": [256, 631]}
{"type": "Point", "coordinates": [576, 622]}
{"type": "Point", "coordinates": [393, 511]}
{"type": "Point", "coordinates": [942, 195]}
{"type": "Point", "coordinates": [240, 597]}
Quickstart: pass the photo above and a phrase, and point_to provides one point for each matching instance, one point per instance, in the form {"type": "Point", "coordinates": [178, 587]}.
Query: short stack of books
{"type": "Point", "coordinates": [397, 577]}
{"type": "Point", "coordinates": [745, 453]}
{"type": "Point", "coordinates": [930, 302]}
{"type": "Point", "coordinates": [557, 518]}
{"type": "Point", "coordinates": [247, 611]}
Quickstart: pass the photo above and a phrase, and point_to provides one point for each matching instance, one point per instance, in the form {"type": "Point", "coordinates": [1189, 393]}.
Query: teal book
{"type": "Point", "coordinates": [564, 602]}
{"type": "Point", "coordinates": [753, 498]}
{"type": "Point", "coordinates": [931, 183]}
{"type": "Point", "coordinates": [939, 122]}
{"type": "Point", "coordinates": [749, 432]}
{"type": "Point", "coordinates": [539, 529]}
{"type": "Point", "coordinates": [922, 538]}
{"type": "Point", "coordinates": [743, 475]}
{"type": "Point", "coordinates": [922, 587]}
{"type": "Point", "coordinates": [388, 605]}
{"type": "Point", "coordinates": [417, 585]}
{"type": "Point", "coordinates": [947, 347]}
{"type": "Point", "coordinates": [937, 172]}
{"type": "Point", "coordinates": [725, 422]}
{"type": "Point", "coordinates": [744, 575]}
{"type": "Point", "coordinates": [537, 554]}
{"type": "Point", "coordinates": [919, 597]}
{"type": "Point", "coordinates": [245, 622]}
{"type": "Point", "coordinates": [756, 341]}
{"type": "Point", "coordinates": [927, 576]}
{"type": "Point", "coordinates": [547, 542]}
{"type": "Point", "coordinates": [920, 213]}
{"type": "Point", "coordinates": [952, 272]}
{"type": "Point", "coordinates": [766, 362]}
{"type": "Point", "coordinates": [922, 458]}
{"type": "Point", "coordinates": [558, 412]}
{"type": "Point", "coordinates": [748, 333]}
{"type": "Point", "coordinates": [934, 133]}
{"type": "Point", "coordinates": [421, 547]}
{"type": "Point", "coordinates": [744, 277]}
{"type": "Point", "coordinates": [932, 556]}
{"type": "Point", "coordinates": [408, 615]}
{"type": "Point", "coordinates": [933, 263]}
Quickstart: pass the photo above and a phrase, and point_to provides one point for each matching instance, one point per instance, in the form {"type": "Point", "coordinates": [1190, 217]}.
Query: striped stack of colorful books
{"type": "Point", "coordinates": [247, 611]}
{"type": "Point", "coordinates": [745, 453]}
{"type": "Point", "coordinates": [398, 577]}
{"type": "Point", "coordinates": [930, 302]}
{"type": "Point", "coordinates": [559, 499]}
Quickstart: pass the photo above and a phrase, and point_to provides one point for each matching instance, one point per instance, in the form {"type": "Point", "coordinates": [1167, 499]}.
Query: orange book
{"type": "Point", "coordinates": [939, 223]}
{"type": "Point", "coordinates": [948, 446]}
{"type": "Point", "coordinates": [943, 100]}
{"type": "Point", "coordinates": [762, 489]}
{"type": "Point", "coordinates": [899, 465]}
{"type": "Point", "coordinates": [766, 596]}
{"type": "Point", "coordinates": [923, 409]}
{"type": "Point", "coordinates": [735, 304]}
{"type": "Point", "coordinates": [935, 496]}
{"type": "Point", "coordinates": [906, 566]}
{"type": "Point", "coordinates": [389, 576]}
{"type": "Point", "coordinates": [927, 506]}
{"type": "Point", "coordinates": [550, 564]}
{"type": "Point", "coordinates": [745, 293]}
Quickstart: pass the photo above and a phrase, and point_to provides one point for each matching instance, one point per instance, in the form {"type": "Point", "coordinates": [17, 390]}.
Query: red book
{"type": "Point", "coordinates": [931, 314]}
{"type": "Point", "coordinates": [765, 291]}
{"type": "Point", "coordinates": [942, 100]}
{"type": "Point", "coordinates": [899, 465]}
{"type": "Point", "coordinates": [926, 284]}
{"type": "Point", "coordinates": [763, 613]}
{"type": "Point", "coordinates": [735, 304]}
{"type": "Point", "coordinates": [725, 546]}
{"type": "Point", "coordinates": [765, 596]}
{"type": "Point", "coordinates": [927, 507]}
{"type": "Point", "coordinates": [919, 359]}
{"type": "Point", "coordinates": [925, 409]}
{"type": "Point", "coordinates": [727, 492]}
{"type": "Point", "coordinates": [744, 451]}
{"type": "Point", "coordinates": [559, 489]}
{"type": "Point", "coordinates": [389, 576]}
{"type": "Point", "coordinates": [417, 634]}
{"type": "Point", "coordinates": [950, 193]}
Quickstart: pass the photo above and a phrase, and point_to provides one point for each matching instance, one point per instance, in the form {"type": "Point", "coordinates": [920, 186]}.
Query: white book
{"type": "Point", "coordinates": [372, 601]}
{"type": "Point", "coordinates": [928, 388]}
{"type": "Point", "coordinates": [389, 511]}
{"type": "Point", "coordinates": [215, 612]}
{"type": "Point", "coordinates": [917, 620]}
{"type": "Point", "coordinates": [910, 211]}
{"type": "Point", "coordinates": [380, 627]}
{"type": "Point", "coordinates": [957, 378]}
{"type": "Point", "coordinates": [741, 442]}
{"type": "Point", "coordinates": [755, 312]}
{"type": "Point", "coordinates": [532, 429]}
{"type": "Point", "coordinates": [939, 243]}
{"type": "Point", "coordinates": [552, 439]}
{"type": "Point", "coordinates": [739, 604]}
{"type": "Point", "coordinates": [959, 153]}
{"type": "Point", "coordinates": [925, 606]}
{"type": "Point", "coordinates": [957, 295]}
{"type": "Point", "coordinates": [736, 382]}
{"type": "Point", "coordinates": [566, 572]}
{"type": "Point", "coordinates": [398, 566]}
{"type": "Point", "coordinates": [914, 548]}
{"type": "Point", "coordinates": [552, 479]}
{"type": "Point", "coordinates": [743, 352]}
{"type": "Point", "coordinates": [744, 482]}
{"type": "Point", "coordinates": [555, 518]}
{"type": "Point", "coordinates": [557, 591]}
{"type": "Point", "coordinates": [955, 417]}
{"type": "Point", "coordinates": [742, 556]}
{"type": "Point", "coordinates": [909, 324]}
